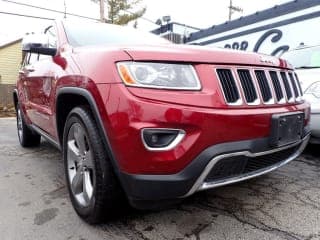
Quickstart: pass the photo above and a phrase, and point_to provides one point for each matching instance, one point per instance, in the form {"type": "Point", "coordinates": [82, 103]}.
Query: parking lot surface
{"type": "Point", "coordinates": [34, 203]}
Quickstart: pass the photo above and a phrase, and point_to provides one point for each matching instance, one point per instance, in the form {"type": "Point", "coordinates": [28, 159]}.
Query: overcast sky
{"type": "Point", "coordinates": [199, 13]}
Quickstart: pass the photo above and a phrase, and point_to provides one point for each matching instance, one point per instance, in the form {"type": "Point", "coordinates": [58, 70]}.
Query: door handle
{"type": "Point", "coordinates": [30, 69]}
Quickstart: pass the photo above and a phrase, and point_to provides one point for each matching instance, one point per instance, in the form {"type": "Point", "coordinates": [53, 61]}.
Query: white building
{"type": "Point", "coordinates": [271, 31]}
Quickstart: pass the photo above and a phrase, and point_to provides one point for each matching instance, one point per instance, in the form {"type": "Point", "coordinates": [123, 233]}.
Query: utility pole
{"type": "Point", "coordinates": [111, 8]}
{"type": "Point", "coordinates": [233, 9]}
{"type": "Point", "coordinates": [102, 18]}
{"type": "Point", "coordinates": [65, 9]}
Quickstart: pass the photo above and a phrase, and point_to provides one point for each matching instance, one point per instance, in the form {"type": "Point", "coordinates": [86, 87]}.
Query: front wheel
{"type": "Point", "coordinates": [93, 187]}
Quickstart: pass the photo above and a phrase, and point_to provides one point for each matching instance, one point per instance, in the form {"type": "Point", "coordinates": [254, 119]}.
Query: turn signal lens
{"type": "Point", "coordinates": [125, 75]}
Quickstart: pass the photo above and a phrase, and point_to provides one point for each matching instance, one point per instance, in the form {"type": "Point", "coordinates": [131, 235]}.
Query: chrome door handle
{"type": "Point", "coordinates": [29, 69]}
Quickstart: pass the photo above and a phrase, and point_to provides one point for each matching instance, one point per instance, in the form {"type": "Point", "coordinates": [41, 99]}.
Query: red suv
{"type": "Point", "coordinates": [139, 118]}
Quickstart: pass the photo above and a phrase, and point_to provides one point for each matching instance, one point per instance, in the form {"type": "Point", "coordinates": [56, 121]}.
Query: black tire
{"type": "Point", "coordinates": [27, 137]}
{"type": "Point", "coordinates": [85, 155]}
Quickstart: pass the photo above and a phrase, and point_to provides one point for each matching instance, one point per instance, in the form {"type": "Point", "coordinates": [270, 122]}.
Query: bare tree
{"type": "Point", "coordinates": [120, 11]}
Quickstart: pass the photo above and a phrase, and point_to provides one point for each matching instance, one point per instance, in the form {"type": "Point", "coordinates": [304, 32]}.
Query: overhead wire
{"type": "Point", "coordinates": [47, 9]}
{"type": "Point", "coordinates": [24, 15]}
{"type": "Point", "coordinates": [57, 11]}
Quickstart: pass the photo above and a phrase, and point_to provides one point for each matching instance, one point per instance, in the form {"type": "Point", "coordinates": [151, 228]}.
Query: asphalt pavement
{"type": "Point", "coordinates": [34, 203]}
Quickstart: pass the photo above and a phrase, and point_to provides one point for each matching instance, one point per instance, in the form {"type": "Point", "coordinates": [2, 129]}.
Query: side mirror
{"type": "Point", "coordinates": [43, 50]}
{"type": "Point", "coordinates": [38, 43]}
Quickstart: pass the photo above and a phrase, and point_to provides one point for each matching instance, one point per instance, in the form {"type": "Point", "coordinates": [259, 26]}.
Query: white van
{"type": "Point", "coordinates": [306, 60]}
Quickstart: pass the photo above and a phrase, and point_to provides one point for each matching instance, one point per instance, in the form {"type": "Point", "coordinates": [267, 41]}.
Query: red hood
{"type": "Point", "coordinates": [200, 54]}
{"type": "Point", "coordinates": [104, 57]}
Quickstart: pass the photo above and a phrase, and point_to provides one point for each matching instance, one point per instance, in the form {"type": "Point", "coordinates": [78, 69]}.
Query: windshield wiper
{"type": "Point", "coordinates": [307, 67]}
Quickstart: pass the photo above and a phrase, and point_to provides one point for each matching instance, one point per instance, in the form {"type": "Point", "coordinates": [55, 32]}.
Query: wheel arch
{"type": "Point", "coordinates": [81, 96]}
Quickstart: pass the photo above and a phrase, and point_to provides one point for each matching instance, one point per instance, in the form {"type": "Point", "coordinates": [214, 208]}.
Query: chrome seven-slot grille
{"type": "Point", "coordinates": [255, 86]}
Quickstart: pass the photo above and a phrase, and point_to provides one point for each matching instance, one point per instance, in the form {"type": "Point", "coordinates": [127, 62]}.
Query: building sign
{"type": "Point", "coordinates": [272, 31]}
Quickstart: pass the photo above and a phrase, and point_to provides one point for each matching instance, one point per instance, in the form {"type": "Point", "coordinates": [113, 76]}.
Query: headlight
{"type": "Point", "coordinates": [159, 75]}
{"type": "Point", "coordinates": [314, 89]}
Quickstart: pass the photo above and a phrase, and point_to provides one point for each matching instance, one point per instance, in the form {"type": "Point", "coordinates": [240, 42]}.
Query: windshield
{"type": "Point", "coordinates": [304, 58]}
{"type": "Point", "coordinates": [85, 34]}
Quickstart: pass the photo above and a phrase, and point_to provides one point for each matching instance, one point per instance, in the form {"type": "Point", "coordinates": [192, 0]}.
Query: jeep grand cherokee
{"type": "Point", "coordinates": [139, 118]}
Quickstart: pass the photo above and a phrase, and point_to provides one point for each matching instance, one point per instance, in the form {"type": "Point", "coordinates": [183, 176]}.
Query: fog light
{"type": "Point", "coordinates": [158, 139]}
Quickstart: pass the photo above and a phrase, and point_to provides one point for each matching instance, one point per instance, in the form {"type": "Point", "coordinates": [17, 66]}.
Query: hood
{"type": "Point", "coordinates": [201, 54]}
{"type": "Point", "coordinates": [308, 77]}
{"type": "Point", "coordinates": [184, 54]}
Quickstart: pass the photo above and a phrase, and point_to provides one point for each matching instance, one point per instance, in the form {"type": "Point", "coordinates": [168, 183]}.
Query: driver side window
{"type": "Point", "coordinates": [30, 58]}
{"type": "Point", "coordinates": [52, 37]}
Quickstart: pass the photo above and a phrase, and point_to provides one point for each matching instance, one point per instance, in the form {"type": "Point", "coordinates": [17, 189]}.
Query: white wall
{"type": "Point", "coordinates": [285, 37]}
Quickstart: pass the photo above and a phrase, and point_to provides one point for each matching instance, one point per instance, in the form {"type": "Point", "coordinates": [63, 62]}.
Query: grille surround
{"type": "Point", "coordinates": [294, 85]}
{"type": "Point", "coordinates": [298, 83]}
{"type": "Point", "coordinates": [287, 86]}
{"type": "Point", "coordinates": [248, 86]}
{"type": "Point", "coordinates": [264, 86]}
{"type": "Point", "coordinates": [229, 83]}
{"type": "Point", "coordinates": [277, 86]}
{"type": "Point", "coordinates": [258, 85]}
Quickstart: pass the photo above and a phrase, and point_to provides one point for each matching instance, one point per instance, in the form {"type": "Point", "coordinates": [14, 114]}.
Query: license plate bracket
{"type": "Point", "coordinates": [286, 128]}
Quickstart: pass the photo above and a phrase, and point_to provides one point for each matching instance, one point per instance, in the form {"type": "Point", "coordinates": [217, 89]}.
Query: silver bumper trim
{"type": "Point", "coordinates": [200, 184]}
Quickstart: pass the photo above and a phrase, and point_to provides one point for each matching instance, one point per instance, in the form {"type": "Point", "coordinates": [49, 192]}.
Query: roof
{"type": "Point", "coordinates": [7, 44]}
{"type": "Point", "coordinates": [273, 12]}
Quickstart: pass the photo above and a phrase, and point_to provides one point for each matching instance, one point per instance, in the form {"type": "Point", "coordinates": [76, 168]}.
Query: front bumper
{"type": "Point", "coordinates": [211, 169]}
{"type": "Point", "coordinates": [202, 127]}
{"type": "Point", "coordinates": [210, 135]}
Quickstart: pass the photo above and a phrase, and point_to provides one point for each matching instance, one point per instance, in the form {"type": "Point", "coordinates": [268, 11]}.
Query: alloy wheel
{"type": "Point", "coordinates": [19, 124]}
{"type": "Point", "coordinates": [80, 165]}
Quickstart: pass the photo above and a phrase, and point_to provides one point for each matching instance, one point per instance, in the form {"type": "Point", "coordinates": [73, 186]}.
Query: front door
{"type": "Point", "coordinates": [38, 74]}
